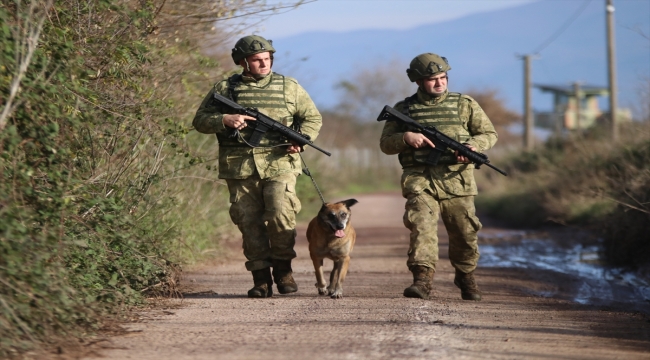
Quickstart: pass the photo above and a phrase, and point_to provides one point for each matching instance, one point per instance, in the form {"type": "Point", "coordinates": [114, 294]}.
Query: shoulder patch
{"type": "Point", "coordinates": [467, 97]}
{"type": "Point", "coordinates": [221, 85]}
{"type": "Point", "coordinates": [289, 79]}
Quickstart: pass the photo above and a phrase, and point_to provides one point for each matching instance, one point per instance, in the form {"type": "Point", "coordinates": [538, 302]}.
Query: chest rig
{"type": "Point", "coordinates": [444, 116]}
{"type": "Point", "coordinates": [269, 99]}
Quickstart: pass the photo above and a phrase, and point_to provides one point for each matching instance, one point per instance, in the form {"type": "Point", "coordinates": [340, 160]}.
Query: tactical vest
{"type": "Point", "coordinates": [445, 117]}
{"type": "Point", "coordinates": [270, 100]}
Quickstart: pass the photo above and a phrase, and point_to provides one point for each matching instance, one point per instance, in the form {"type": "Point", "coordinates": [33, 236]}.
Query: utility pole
{"type": "Point", "coordinates": [576, 89]}
{"type": "Point", "coordinates": [611, 66]}
{"type": "Point", "coordinates": [528, 106]}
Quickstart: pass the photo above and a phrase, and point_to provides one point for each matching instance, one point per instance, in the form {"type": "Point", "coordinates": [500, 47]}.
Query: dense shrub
{"type": "Point", "coordinates": [81, 153]}
{"type": "Point", "coordinates": [627, 229]}
{"type": "Point", "coordinates": [97, 175]}
{"type": "Point", "coordinates": [586, 181]}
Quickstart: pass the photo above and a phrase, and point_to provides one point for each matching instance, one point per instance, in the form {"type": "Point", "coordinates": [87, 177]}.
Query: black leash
{"type": "Point", "coordinates": [308, 173]}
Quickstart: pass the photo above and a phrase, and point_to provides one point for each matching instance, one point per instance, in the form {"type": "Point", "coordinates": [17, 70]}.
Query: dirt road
{"type": "Point", "coordinates": [374, 320]}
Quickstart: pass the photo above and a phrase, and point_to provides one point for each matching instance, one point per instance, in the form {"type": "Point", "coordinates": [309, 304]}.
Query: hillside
{"type": "Point", "coordinates": [482, 50]}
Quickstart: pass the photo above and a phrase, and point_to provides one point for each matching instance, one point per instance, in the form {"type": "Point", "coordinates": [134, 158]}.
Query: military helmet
{"type": "Point", "coordinates": [425, 65]}
{"type": "Point", "coordinates": [251, 45]}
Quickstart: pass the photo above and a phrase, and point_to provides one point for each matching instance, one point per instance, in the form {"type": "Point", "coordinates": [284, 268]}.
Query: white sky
{"type": "Point", "coordinates": [346, 15]}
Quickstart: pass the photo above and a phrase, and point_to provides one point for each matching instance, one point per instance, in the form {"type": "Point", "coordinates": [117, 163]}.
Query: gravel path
{"type": "Point", "coordinates": [374, 320]}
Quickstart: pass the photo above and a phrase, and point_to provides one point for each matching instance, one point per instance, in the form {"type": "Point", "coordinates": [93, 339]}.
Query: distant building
{"type": "Point", "coordinates": [563, 116]}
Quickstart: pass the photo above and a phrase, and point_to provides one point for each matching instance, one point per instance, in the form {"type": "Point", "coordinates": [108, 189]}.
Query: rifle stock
{"type": "Point", "coordinates": [263, 123]}
{"type": "Point", "coordinates": [440, 140]}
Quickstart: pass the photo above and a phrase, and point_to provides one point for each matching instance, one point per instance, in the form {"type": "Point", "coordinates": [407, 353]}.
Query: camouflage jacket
{"type": "Point", "coordinates": [449, 179]}
{"type": "Point", "coordinates": [276, 96]}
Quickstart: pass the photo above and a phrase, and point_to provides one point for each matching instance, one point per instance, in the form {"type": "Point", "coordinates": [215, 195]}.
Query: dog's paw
{"type": "Point", "coordinates": [336, 294]}
{"type": "Point", "coordinates": [322, 291]}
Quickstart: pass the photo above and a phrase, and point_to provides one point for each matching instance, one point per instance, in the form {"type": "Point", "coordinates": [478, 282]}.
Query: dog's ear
{"type": "Point", "coordinates": [349, 202]}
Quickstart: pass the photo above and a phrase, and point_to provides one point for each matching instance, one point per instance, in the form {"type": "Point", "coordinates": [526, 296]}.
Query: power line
{"type": "Point", "coordinates": [563, 28]}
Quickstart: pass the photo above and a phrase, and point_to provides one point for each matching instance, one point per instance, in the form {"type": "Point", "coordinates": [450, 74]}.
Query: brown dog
{"type": "Point", "coordinates": [331, 236]}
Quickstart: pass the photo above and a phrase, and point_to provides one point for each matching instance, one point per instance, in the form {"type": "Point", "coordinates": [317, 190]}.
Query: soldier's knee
{"type": "Point", "coordinates": [474, 222]}
{"type": "Point", "coordinates": [235, 213]}
{"type": "Point", "coordinates": [282, 204]}
{"type": "Point", "coordinates": [246, 216]}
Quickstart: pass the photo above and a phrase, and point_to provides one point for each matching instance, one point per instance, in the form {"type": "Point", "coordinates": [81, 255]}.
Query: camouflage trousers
{"type": "Point", "coordinates": [459, 218]}
{"type": "Point", "coordinates": [265, 211]}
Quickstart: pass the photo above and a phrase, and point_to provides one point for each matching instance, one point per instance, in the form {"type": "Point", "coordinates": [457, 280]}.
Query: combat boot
{"type": "Point", "coordinates": [467, 285]}
{"type": "Point", "coordinates": [282, 275]}
{"type": "Point", "coordinates": [263, 284]}
{"type": "Point", "coordinates": [422, 279]}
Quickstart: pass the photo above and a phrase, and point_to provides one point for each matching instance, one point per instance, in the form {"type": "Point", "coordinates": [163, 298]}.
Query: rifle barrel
{"type": "Point", "coordinates": [278, 126]}
{"type": "Point", "coordinates": [497, 169]}
{"type": "Point", "coordinates": [319, 149]}
{"type": "Point", "coordinates": [475, 157]}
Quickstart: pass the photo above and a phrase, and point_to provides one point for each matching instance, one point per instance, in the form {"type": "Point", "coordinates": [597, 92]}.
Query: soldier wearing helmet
{"type": "Point", "coordinates": [261, 180]}
{"type": "Point", "coordinates": [446, 189]}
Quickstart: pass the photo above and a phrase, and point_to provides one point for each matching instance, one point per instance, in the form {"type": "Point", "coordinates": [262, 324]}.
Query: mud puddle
{"type": "Point", "coordinates": [596, 283]}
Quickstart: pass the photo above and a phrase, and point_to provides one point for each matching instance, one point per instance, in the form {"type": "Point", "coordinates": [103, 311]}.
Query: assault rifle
{"type": "Point", "coordinates": [263, 123]}
{"type": "Point", "coordinates": [440, 140]}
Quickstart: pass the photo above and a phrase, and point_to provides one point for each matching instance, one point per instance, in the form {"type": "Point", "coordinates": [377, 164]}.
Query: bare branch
{"type": "Point", "coordinates": [26, 45]}
{"type": "Point", "coordinates": [626, 204]}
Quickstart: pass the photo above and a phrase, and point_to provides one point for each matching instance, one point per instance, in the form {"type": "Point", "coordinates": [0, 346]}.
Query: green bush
{"type": "Point", "coordinates": [627, 228]}
{"type": "Point", "coordinates": [104, 189]}
{"type": "Point", "coordinates": [586, 181]}
{"type": "Point", "coordinates": [82, 207]}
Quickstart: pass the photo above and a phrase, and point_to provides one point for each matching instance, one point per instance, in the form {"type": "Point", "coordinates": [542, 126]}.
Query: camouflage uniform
{"type": "Point", "coordinates": [446, 189]}
{"type": "Point", "coordinates": [261, 180]}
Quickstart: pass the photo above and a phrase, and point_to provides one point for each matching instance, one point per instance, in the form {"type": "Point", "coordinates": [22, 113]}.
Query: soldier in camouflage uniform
{"type": "Point", "coordinates": [446, 189]}
{"type": "Point", "coordinates": [261, 180]}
